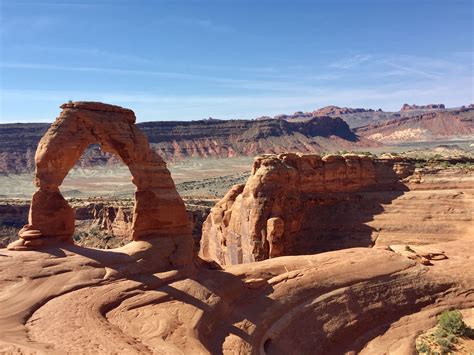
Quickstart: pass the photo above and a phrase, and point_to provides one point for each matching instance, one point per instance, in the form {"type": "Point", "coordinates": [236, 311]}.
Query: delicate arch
{"type": "Point", "coordinates": [159, 210]}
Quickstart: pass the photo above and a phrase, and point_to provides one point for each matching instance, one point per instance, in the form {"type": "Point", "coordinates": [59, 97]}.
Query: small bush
{"type": "Point", "coordinates": [452, 323]}
{"type": "Point", "coordinates": [423, 348]}
{"type": "Point", "coordinates": [440, 333]}
{"type": "Point", "coordinates": [445, 345]}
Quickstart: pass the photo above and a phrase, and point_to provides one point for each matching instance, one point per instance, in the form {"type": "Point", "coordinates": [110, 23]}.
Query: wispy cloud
{"type": "Point", "coordinates": [245, 84]}
{"type": "Point", "coordinates": [410, 66]}
{"type": "Point", "coordinates": [406, 69]}
{"type": "Point", "coordinates": [351, 62]}
{"type": "Point", "coordinates": [27, 23]}
{"type": "Point", "coordinates": [85, 53]}
{"type": "Point", "coordinates": [193, 22]}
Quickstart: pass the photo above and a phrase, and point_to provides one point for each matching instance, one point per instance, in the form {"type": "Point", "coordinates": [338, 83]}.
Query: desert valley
{"type": "Point", "coordinates": [336, 231]}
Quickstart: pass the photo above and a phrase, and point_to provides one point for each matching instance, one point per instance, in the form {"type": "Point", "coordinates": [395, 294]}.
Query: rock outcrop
{"type": "Point", "coordinates": [338, 111]}
{"type": "Point", "coordinates": [158, 211]}
{"type": "Point", "coordinates": [305, 204]}
{"type": "Point", "coordinates": [407, 107]}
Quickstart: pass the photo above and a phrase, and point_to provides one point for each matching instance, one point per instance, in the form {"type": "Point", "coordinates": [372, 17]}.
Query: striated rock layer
{"type": "Point", "coordinates": [158, 211]}
{"type": "Point", "coordinates": [174, 140]}
{"type": "Point", "coordinates": [302, 204]}
{"type": "Point", "coordinates": [425, 126]}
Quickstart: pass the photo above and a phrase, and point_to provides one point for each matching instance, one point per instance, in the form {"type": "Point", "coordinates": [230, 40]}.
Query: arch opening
{"type": "Point", "coordinates": [100, 191]}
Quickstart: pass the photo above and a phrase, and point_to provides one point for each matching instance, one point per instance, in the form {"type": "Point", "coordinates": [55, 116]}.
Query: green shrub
{"type": "Point", "coordinates": [423, 348]}
{"type": "Point", "coordinates": [452, 323]}
{"type": "Point", "coordinates": [440, 333]}
{"type": "Point", "coordinates": [445, 345]}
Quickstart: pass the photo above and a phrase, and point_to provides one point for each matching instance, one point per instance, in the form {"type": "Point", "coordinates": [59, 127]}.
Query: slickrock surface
{"type": "Point", "coordinates": [158, 211]}
{"type": "Point", "coordinates": [303, 204]}
{"type": "Point", "coordinates": [129, 300]}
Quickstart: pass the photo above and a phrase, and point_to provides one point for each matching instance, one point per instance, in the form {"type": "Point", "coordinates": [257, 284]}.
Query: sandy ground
{"type": "Point", "coordinates": [116, 181]}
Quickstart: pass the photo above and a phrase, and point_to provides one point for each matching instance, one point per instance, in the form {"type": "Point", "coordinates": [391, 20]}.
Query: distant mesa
{"type": "Point", "coordinates": [424, 126]}
{"type": "Point", "coordinates": [210, 138]}
{"type": "Point", "coordinates": [407, 107]}
{"type": "Point", "coordinates": [331, 110]}
{"type": "Point", "coordinates": [336, 110]}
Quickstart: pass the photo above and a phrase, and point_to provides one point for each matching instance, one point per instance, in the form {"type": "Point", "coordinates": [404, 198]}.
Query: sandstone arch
{"type": "Point", "coordinates": [159, 210]}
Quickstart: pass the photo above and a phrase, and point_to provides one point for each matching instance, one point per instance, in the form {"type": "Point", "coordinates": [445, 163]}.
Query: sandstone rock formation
{"type": "Point", "coordinates": [153, 296]}
{"type": "Point", "coordinates": [368, 301]}
{"type": "Point", "coordinates": [338, 111]}
{"type": "Point", "coordinates": [304, 204]}
{"type": "Point", "coordinates": [159, 210]}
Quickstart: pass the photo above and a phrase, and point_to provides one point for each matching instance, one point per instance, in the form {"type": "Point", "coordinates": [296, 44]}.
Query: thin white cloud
{"type": "Point", "coordinates": [91, 53]}
{"type": "Point", "coordinates": [351, 62]}
{"type": "Point", "coordinates": [221, 81]}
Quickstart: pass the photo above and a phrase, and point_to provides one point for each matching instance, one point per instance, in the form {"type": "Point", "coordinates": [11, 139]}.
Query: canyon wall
{"type": "Point", "coordinates": [304, 204]}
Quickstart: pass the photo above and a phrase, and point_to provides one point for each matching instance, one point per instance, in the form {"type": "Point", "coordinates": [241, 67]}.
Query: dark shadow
{"type": "Point", "coordinates": [217, 320]}
{"type": "Point", "coordinates": [338, 220]}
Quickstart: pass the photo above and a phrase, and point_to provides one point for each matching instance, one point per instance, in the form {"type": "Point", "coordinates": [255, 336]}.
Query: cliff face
{"type": "Point", "coordinates": [435, 125]}
{"type": "Point", "coordinates": [200, 139]}
{"type": "Point", "coordinates": [270, 215]}
{"type": "Point", "coordinates": [304, 204]}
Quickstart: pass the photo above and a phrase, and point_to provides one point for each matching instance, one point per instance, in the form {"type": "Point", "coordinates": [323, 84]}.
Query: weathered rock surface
{"type": "Point", "coordinates": [373, 301]}
{"type": "Point", "coordinates": [336, 202]}
{"type": "Point", "coordinates": [158, 211]}
{"type": "Point", "coordinates": [427, 126]}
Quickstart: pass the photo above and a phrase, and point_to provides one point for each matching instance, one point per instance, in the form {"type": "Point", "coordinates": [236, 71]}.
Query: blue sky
{"type": "Point", "coordinates": [183, 60]}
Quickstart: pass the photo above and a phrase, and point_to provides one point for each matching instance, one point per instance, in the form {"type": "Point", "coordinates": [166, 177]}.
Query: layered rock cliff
{"type": "Point", "coordinates": [428, 126]}
{"type": "Point", "coordinates": [196, 139]}
{"type": "Point", "coordinates": [304, 204]}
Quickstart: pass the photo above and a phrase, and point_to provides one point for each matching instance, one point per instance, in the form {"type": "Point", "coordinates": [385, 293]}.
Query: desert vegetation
{"type": "Point", "coordinates": [451, 335]}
